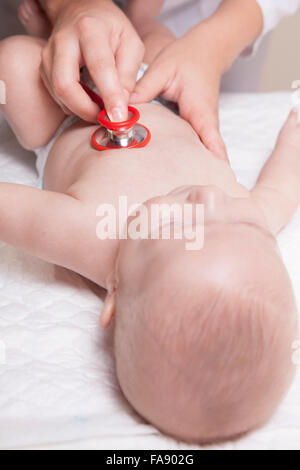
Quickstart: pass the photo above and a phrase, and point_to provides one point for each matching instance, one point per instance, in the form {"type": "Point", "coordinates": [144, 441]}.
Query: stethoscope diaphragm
{"type": "Point", "coordinates": [118, 135]}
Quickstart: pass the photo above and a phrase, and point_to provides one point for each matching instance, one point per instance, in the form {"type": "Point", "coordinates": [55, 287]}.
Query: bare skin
{"type": "Point", "coordinates": [33, 18]}
{"type": "Point", "coordinates": [58, 224]}
{"type": "Point", "coordinates": [182, 70]}
{"type": "Point", "coordinates": [78, 178]}
{"type": "Point", "coordinates": [76, 26]}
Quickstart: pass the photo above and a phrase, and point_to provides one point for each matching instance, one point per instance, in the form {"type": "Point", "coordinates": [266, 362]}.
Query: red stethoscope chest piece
{"type": "Point", "coordinates": [117, 135]}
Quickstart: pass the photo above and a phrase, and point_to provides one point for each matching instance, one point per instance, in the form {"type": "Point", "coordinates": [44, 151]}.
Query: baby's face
{"type": "Point", "coordinates": [232, 228]}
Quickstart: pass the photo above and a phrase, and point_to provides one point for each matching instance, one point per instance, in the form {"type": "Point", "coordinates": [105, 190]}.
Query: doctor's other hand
{"type": "Point", "coordinates": [97, 34]}
{"type": "Point", "coordinates": [189, 73]}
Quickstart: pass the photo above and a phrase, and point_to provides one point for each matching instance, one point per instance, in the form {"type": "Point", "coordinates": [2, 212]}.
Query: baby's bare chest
{"type": "Point", "coordinates": [138, 174]}
{"type": "Point", "coordinates": [136, 177]}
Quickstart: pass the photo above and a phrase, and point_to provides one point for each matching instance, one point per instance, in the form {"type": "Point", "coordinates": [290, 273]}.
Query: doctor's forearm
{"type": "Point", "coordinates": [53, 7]}
{"type": "Point", "coordinates": [235, 25]}
{"type": "Point", "coordinates": [140, 10]}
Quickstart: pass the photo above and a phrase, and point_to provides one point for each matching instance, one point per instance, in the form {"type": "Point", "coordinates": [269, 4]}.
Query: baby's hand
{"type": "Point", "coordinates": [188, 71]}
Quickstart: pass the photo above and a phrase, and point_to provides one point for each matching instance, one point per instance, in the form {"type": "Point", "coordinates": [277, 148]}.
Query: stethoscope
{"type": "Point", "coordinates": [117, 135]}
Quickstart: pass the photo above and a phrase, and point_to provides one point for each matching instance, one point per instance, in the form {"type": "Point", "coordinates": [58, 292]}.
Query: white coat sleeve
{"type": "Point", "coordinates": [273, 11]}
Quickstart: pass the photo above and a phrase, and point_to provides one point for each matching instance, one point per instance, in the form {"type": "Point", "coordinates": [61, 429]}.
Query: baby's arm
{"type": "Point", "coordinates": [278, 188]}
{"type": "Point", "coordinates": [45, 224]}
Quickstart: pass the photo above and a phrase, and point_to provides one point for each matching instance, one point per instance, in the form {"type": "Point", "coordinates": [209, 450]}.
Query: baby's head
{"type": "Point", "coordinates": [203, 338]}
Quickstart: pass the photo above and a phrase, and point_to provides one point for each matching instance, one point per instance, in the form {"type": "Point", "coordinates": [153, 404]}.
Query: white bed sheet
{"type": "Point", "coordinates": [58, 387]}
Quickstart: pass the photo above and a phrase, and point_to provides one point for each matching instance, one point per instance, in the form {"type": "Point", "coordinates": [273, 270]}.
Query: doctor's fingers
{"type": "Point", "coordinates": [60, 71]}
{"type": "Point", "coordinates": [47, 85]}
{"type": "Point", "coordinates": [205, 121]}
{"type": "Point", "coordinates": [158, 80]}
{"type": "Point", "coordinates": [101, 64]}
{"type": "Point", "coordinates": [129, 57]}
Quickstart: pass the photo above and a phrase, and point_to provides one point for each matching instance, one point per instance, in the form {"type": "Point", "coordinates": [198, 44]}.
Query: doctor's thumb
{"type": "Point", "coordinates": [209, 133]}
{"type": "Point", "coordinates": [214, 142]}
{"type": "Point", "coordinates": [148, 87]}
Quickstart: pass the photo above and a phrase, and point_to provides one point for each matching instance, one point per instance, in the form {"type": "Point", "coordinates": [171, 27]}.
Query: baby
{"type": "Point", "coordinates": [202, 338]}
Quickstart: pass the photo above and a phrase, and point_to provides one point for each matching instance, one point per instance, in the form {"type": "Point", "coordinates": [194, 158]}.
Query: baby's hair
{"type": "Point", "coordinates": [214, 370]}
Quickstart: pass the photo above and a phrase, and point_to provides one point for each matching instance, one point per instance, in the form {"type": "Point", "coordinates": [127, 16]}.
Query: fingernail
{"type": "Point", "coordinates": [117, 115]}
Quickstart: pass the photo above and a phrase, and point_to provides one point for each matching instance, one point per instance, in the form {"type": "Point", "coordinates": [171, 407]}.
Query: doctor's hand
{"type": "Point", "coordinates": [189, 72]}
{"type": "Point", "coordinates": [97, 34]}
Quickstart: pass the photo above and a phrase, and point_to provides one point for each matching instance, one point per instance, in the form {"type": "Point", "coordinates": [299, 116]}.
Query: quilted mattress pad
{"type": "Point", "coordinates": [57, 378]}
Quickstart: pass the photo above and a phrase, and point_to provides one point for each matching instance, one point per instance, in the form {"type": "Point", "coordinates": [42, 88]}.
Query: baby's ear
{"type": "Point", "coordinates": [108, 310]}
{"type": "Point", "coordinates": [109, 306]}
